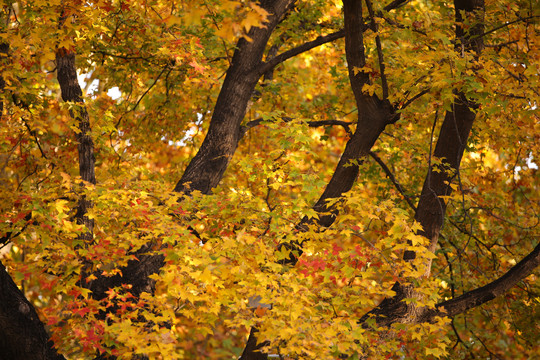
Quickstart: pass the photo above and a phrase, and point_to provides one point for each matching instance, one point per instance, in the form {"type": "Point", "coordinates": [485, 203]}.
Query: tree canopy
{"type": "Point", "coordinates": [282, 178]}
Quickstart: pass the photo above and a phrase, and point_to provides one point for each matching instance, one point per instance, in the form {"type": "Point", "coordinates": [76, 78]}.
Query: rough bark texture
{"type": "Point", "coordinates": [453, 135]}
{"type": "Point", "coordinates": [488, 292]}
{"type": "Point", "coordinates": [71, 92]}
{"type": "Point", "coordinates": [450, 146]}
{"type": "Point", "coordinates": [206, 169]}
{"type": "Point", "coordinates": [22, 334]}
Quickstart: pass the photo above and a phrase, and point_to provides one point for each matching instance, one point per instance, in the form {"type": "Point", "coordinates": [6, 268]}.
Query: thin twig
{"type": "Point", "coordinates": [33, 133]}
{"type": "Point", "coordinates": [392, 178]}
{"type": "Point", "coordinates": [384, 81]}
{"type": "Point", "coordinates": [142, 96]}
{"type": "Point", "coordinates": [506, 25]}
{"type": "Point", "coordinates": [415, 97]}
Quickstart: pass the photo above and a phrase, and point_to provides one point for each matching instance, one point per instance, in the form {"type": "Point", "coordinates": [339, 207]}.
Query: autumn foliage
{"type": "Point", "coordinates": [309, 179]}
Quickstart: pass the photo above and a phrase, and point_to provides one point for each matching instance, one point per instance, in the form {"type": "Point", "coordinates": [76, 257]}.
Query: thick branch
{"type": "Point", "coordinates": [452, 139]}
{"type": "Point", "coordinates": [207, 167]}
{"type": "Point", "coordinates": [449, 149]}
{"type": "Point", "coordinates": [71, 92]}
{"type": "Point", "coordinates": [394, 310]}
{"type": "Point", "coordinates": [477, 297]}
{"type": "Point", "coordinates": [275, 61]}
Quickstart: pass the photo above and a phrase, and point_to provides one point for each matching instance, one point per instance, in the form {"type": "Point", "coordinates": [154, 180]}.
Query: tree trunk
{"type": "Point", "coordinates": [453, 135]}
{"type": "Point", "coordinates": [22, 334]}
{"type": "Point", "coordinates": [450, 147]}
{"type": "Point", "coordinates": [206, 169]}
{"type": "Point", "coordinates": [71, 92]}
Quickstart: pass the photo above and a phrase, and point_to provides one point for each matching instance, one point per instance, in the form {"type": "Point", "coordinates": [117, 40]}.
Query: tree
{"type": "Point", "coordinates": [310, 179]}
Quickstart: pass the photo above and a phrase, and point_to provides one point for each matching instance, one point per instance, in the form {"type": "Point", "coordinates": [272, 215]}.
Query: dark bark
{"type": "Point", "coordinates": [453, 135]}
{"type": "Point", "coordinates": [4, 49]}
{"type": "Point", "coordinates": [450, 147]}
{"type": "Point", "coordinates": [488, 292]}
{"type": "Point", "coordinates": [252, 351]}
{"type": "Point", "coordinates": [206, 169]}
{"type": "Point", "coordinates": [22, 334]}
{"type": "Point", "coordinates": [136, 273]}
{"type": "Point", "coordinates": [71, 92]}
{"type": "Point", "coordinates": [269, 65]}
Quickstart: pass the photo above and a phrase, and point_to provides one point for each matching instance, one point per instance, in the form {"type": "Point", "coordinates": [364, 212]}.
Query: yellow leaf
{"type": "Point", "coordinates": [61, 206]}
{"type": "Point", "coordinates": [206, 276]}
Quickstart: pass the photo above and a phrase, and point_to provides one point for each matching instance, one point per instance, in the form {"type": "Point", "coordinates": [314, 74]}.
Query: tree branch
{"type": "Point", "coordinates": [273, 62]}
{"type": "Point", "coordinates": [206, 169]}
{"type": "Point", "coordinates": [384, 81]}
{"type": "Point", "coordinates": [71, 92]}
{"type": "Point", "coordinates": [415, 97]}
{"type": "Point", "coordinates": [392, 178]}
{"type": "Point", "coordinates": [452, 139]}
{"type": "Point", "coordinates": [483, 34]}
{"type": "Point", "coordinates": [486, 293]}
{"type": "Point", "coordinates": [345, 124]}
{"type": "Point", "coordinates": [394, 310]}
{"type": "Point", "coordinates": [395, 4]}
